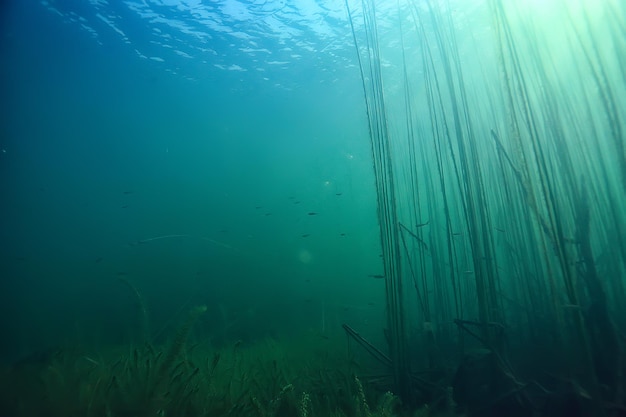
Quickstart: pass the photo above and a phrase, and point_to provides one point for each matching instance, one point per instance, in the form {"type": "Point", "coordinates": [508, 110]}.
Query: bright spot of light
{"type": "Point", "coordinates": [305, 256]}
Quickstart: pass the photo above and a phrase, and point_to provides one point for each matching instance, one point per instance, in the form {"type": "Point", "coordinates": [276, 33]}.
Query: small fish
{"type": "Point", "coordinates": [338, 193]}
{"type": "Point", "coordinates": [312, 213]}
{"type": "Point", "coordinates": [296, 202]}
{"type": "Point", "coordinates": [342, 234]}
{"type": "Point", "coordinates": [306, 235]}
{"type": "Point", "coordinates": [267, 214]}
{"type": "Point", "coordinates": [125, 206]}
{"type": "Point", "coordinates": [98, 260]}
{"type": "Point", "coordinates": [370, 304]}
{"type": "Point", "coordinates": [128, 192]}
{"type": "Point", "coordinates": [415, 235]}
{"type": "Point", "coordinates": [377, 276]}
{"type": "Point", "coordinates": [499, 230]}
{"type": "Point", "coordinates": [258, 207]}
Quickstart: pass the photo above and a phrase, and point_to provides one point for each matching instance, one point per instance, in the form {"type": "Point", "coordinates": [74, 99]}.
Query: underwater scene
{"type": "Point", "coordinates": [313, 208]}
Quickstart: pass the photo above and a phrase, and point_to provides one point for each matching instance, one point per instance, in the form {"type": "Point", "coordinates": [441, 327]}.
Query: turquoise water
{"type": "Point", "coordinates": [442, 179]}
{"type": "Point", "coordinates": [105, 147]}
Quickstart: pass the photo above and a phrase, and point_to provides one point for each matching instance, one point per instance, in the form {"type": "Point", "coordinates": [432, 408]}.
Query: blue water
{"type": "Point", "coordinates": [181, 146]}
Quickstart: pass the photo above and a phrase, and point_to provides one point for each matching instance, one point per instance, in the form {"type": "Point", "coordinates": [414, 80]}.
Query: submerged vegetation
{"type": "Point", "coordinates": [499, 154]}
{"type": "Point", "coordinates": [497, 141]}
{"type": "Point", "coordinates": [310, 376]}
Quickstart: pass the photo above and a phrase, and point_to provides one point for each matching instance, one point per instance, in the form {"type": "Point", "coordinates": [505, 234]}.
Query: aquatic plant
{"type": "Point", "coordinates": [484, 185]}
{"type": "Point", "coordinates": [307, 376]}
{"type": "Point", "coordinates": [143, 309]}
